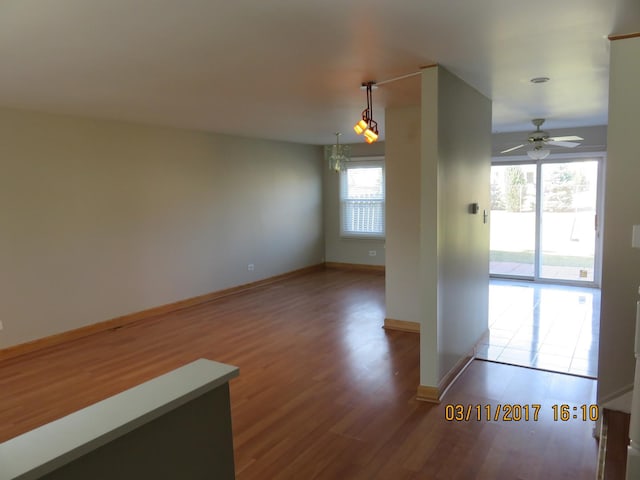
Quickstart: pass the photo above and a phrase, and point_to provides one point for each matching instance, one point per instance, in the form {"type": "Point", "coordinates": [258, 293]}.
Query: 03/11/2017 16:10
{"type": "Point", "coordinates": [514, 412]}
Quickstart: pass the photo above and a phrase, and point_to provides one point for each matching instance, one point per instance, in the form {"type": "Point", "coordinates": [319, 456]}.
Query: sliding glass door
{"type": "Point", "coordinates": [568, 221]}
{"type": "Point", "coordinates": [513, 220]}
{"type": "Point", "coordinates": [544, 222]}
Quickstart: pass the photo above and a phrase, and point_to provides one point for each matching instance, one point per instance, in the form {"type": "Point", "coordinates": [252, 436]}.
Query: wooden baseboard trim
{"type": "Point", "coordinates": [434, 394]}
{"type": "Point", "coordinates": [401, 325]}
{"type": "Point", "coordinates": [453, 374]}
{"type": "Point", "coordinates": [355, 266]}
{"type": "Point", "coordinates": [428, 394]}
{"type": "Point", "coordinates": [624, 36]}
{"type": "Point", "coordinates": [119, 322]}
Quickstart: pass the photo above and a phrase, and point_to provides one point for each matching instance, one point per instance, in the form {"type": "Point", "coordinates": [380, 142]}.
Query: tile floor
{"type": "Point", "coordinates": [549, 272]}
{"type": "Point", "coordinates": [550, 327]}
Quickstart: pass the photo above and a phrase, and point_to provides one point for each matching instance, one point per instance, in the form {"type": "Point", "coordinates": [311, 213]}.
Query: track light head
{"type": "Point", "coordinates": [361, 126]}
{"type": "Point", "coordinates": [367, 126]}
{"type": "Point", "coordinates": [371, 133]}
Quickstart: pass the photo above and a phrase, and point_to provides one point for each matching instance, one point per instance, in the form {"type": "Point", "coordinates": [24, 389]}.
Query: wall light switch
{"type": "Point", "coordinates": [635, 237]}
{"type": "Point", "coordinates": [1, 325]}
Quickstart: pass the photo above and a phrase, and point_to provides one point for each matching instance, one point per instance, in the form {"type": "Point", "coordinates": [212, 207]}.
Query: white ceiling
{"type": "Point", "coordinates": [291, 70]}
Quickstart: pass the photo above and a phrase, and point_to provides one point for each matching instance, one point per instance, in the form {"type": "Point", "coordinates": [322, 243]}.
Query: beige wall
{"type": "Point", "coordinates": [101, 219]}
{"type": "Point", "coordinates": [464, 150]}
{"type": "Point", "coordinates": [620, 262]}
{"type": "Point", "coordinates": [348, 250]}
{"type": "Point", "coordinates": [402, 128]}
{"type": "Point", "coordinates": [454, 245]}
{"type": "Point", "coordinates": [429, 219]}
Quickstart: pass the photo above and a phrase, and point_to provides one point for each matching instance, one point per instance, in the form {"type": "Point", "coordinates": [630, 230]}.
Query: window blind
{"type": "Point", "coordinates": [362, 198]}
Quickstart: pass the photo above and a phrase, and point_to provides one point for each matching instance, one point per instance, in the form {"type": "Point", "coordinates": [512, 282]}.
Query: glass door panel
{"type": "Point", "coordinates": [568, 221]}
{"type": "Point", "coordinates": [513, 220]}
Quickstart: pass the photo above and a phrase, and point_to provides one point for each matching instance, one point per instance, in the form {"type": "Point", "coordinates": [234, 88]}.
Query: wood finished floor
{"type": "Point", "coordinates": [324, 391]}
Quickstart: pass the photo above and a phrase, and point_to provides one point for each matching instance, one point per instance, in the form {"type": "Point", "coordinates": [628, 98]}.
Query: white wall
{"type": "Point", "coordinates": [100, 219]}
{"type": "Point", "coordinates": [620, 262]}
{"type": "Point", "coordinates": [337, 248]}
{"type": "Point", "coordinates": [454, 245]}
{"type": "Point", "coordinates": [402, 128]}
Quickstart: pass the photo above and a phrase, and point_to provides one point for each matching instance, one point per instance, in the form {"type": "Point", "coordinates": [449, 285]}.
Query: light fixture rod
{"type": "Point", "coordinates": [401, 77]}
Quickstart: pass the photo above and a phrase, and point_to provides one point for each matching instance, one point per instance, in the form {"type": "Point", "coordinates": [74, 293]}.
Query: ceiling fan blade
{"type": "Point", "coordinates": [512, 149]}
{"type": "Point", "coordinates": [562, 144]}
{"type": "Point", "coordinates": [566, 138]}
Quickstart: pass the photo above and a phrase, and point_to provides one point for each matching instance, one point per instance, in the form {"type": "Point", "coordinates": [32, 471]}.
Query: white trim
{"type": "Point", "coordinates": [557, 157]}
{"type": "Point", "coordinates": [367, 159]}
{"type": "Point", "coordinates": [355, 163]}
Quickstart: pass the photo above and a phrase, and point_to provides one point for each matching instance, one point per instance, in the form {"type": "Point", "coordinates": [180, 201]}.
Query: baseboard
{"type": "Point", "coordinates": [355, 266]}
{"type": "Point", "coordinates": [624, 36]}
{"type": "Point", "coordinates": [428, 394]}
{"type": "Point", "coordinates": [118, 322]}
{"type": "Point", "coordinates": [434, 394]}
{"type": "Point", "coordinates": [455, 372]}
{"type": "Point", "coordinates": [401, 325]}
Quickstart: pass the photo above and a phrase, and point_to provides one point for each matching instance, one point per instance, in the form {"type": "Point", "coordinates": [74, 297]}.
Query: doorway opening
{"type": "Point", "coordinates": [545, 229]}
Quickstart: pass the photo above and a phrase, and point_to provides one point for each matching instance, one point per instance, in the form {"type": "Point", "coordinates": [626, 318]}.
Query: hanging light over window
{"type": "Point", "coordinates": [338, 155]}
{"type": "Point", "coordinates": [367, 126]}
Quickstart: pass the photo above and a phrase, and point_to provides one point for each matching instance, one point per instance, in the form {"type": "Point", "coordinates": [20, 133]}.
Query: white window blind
{"type": "Point", "coordinates": [362, 199]}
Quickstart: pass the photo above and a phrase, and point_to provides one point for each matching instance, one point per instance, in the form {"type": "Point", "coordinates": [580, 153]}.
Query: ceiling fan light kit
{"type": "Point", "coordinates": [538, 153]}
{"type": "Point", "coordinates": [539, 139]}
{"type": "Point", "coordinates": [367, 126]}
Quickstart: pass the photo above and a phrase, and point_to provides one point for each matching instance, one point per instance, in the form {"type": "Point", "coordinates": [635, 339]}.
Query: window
{"type": "Point", "coordinates": [362, 199]}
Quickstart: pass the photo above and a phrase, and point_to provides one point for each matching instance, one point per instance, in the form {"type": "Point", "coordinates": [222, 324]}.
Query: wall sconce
{"type": "Point", "coordinates": [367, 126]}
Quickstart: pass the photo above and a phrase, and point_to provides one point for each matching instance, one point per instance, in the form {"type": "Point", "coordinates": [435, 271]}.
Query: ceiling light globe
{"type": "Point", "coordinates": [538, 153]}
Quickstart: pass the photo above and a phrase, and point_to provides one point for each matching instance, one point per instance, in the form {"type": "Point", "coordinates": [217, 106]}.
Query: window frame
{"type": "Point", "coordinates": [362, 162]}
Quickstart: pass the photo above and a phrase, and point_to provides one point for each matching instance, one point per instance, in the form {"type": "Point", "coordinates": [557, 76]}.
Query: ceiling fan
{"type": "Point", "coordinates": [539, 138]}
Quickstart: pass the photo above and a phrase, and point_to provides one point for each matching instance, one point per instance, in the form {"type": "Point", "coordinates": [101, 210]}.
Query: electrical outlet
{"type": "Point", "coordinates": [250, 267]}
{"type": "Point", "coordinates": [372, 253]}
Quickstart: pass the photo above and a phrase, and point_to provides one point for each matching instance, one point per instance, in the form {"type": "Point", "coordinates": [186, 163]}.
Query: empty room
{"type": "Point", "coordinates": [336, 240]}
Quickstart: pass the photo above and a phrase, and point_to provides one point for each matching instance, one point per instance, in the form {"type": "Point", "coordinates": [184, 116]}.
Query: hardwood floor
{"type": "Point", "coordinates": [324, 391]}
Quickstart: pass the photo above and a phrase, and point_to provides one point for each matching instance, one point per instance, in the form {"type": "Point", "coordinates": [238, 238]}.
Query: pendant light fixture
{"type": "Point", "coordinates": [367, 126]}
{"type": "Point", "coordinates": [338, 155]}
